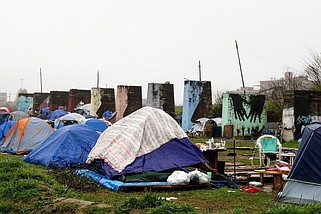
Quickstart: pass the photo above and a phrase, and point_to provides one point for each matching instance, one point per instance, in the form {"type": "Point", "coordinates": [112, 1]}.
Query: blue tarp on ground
{"type": "Point", "coordinates": [114, 184]}
{"type": "Point", "coordinates": [68, 146]}
{"type": "Point", "coordinates": [177, 152]}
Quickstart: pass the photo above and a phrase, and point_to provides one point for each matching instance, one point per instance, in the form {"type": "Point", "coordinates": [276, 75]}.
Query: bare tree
{"type": "Point", "coordinates": [218, 97]}
{"type": "Point", "coordinates": [217, 106]}
{"type": "Point", "coordinates": [313, 70]}
{"type": "Point", "coordinates": [275, 89]}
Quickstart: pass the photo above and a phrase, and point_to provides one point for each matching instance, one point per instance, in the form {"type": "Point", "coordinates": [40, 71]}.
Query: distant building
{"type": "Point", "coordinates": [247, 90]}
{"type": "Point", "coordinates": [3, 98]}
{"type": "Point", "coordinates": [288, 82]}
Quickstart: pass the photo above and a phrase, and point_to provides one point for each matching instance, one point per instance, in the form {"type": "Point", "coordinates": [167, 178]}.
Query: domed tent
{"type": "Point", "coordinates": [68, 146]}
{"type": "Point", "coordinates": [69, 119]}
{"type": "Point", "coordinates": [18, 115]}
{"type": "Point", "coordinates": [26, 135]}
{"type": "Point", "coordinates": [148, 140]}
{"type": "Point", "coordinates": [56, 114]}
{"type": "Point", "coordinates": [303, 184]}
{"type": "Point", "coordinates": [96, 124]}
{"type": "Point", "coordinates": [5, 109]}
{"type": "Point", "coordinates": [4, 129]}
{"type": "Point", "coordinates": [4, 116]}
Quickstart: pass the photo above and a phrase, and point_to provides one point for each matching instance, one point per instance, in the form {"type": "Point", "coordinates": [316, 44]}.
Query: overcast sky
{"type": "Point", "coordinates": [135, 42]}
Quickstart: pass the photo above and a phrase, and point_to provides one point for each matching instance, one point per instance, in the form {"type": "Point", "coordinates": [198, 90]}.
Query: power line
{"type": "Point", "coordinates": [19, 79]}
{"type": "Point", "coordinates": [267, 59]}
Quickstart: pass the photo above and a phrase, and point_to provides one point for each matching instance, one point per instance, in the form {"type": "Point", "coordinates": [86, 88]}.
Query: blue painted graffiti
{"type": "Point", "coordinates": [304, 119]}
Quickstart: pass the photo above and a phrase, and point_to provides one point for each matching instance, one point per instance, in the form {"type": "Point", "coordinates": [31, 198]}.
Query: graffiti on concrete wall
{"type": "Point", "coordinates": [243, 115]}
{"type": "Point", "coordinates": [303, 120]}
{"type": "Point", "coordinates": [24, 103]}
{"type": "Point", "coordinates": [255, 104]}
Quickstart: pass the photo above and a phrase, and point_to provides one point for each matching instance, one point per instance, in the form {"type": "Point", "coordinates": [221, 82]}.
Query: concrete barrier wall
{"type": "Point", "coordinates": [25, 100]}
{"type": "Point", "coordinates": [197, 102]}
{"type": "Point", "coordinates": [128, 100]}
{"type": "Point", "coordinates": [102, 99]}
{"type": "Point", "coordinates": [58, 100]}
{"type": "Point", "coordinates": [76, 96]}
{"type": "Point", "coordinates": [161, 95]}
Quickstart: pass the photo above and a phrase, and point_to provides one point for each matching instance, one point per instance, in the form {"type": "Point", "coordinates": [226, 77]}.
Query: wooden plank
{"type": "Point", "coordinates": [244, 148]}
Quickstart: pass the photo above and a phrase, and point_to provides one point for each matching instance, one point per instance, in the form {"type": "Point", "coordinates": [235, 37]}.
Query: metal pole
{"type": "Point", "coordinates": [40, 81]}
{"type": "Point", "coordinates": [234, 148]}
{"type": "Point", "coordinates": [238, 56]}
{"type": "Point", "coordinates": [199, 70]}
{"type": "Point", "coordinates": [98, 79]}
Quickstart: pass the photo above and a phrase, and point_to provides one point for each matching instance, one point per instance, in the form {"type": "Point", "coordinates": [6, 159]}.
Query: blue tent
{"type": "Point", "coordinates": [4, 116]}
{"type": "Point", "coordinates": [176, 153]}
{"type": "Point", "coordinates": [96, 124]}
{"type": "Point", "coordinates": [68, 146]}
{"type": "Point", "coordinates": [56, 114]}
{"type": "Point", "coordinates": [4, 129]}
{"type": "Point", "coordinates": [44, 111]}
{"type": "Point", "coordinates": [303, 185]}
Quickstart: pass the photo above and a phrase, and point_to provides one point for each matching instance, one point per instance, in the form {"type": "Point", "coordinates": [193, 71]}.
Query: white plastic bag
{"type": "Point", "coordinates": [178, 178]}
{"type": "Point", "coordinates": [197, 177]}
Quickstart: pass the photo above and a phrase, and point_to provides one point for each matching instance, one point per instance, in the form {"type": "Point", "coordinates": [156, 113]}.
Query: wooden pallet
{"type": "Point", "coordinates": [164, 187]}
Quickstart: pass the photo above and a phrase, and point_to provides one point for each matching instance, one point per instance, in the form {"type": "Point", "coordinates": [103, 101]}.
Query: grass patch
{"type": "Point", "coordinates": [291, 144]}
{"type": "Point", "coordinates": [97, 210]}
{"type": "Point", "coordinates": [64, 208]}
{"type": "Point", "coordinates": [70, 179]}
{"type": "Point", "coordinates": [149, 200]}
{"type": "Point", "coordinates": [29, 188]}
{"type": "Point", "coordinates": [294, 209]}
{"type": "Point", "coordinates": [170, 207]}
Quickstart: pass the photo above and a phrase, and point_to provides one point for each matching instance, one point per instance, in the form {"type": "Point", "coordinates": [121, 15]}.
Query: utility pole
{"type": "Point", "coordinates": [199, 70]}
{"type": "Point", "coordinates": [238, 56]}
{"type": "Point", "coordinates": [98, 79]}
{"type": "Point", "coordinates": [40, 81]}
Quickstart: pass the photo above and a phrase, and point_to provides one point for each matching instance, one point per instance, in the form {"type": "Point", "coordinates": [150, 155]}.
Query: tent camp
{"type": "Point", "coordinates": [148, 140]}
{"type": "Point", "coordinates": [25, 135]}
{"type": "Point", "coordinates": [303, 184]}
{"type": "Point", "coordinates": [68, 146]}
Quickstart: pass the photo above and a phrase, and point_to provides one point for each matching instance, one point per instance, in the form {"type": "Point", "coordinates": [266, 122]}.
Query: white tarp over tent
{"type": "Point", "coordinates": [137, 134]}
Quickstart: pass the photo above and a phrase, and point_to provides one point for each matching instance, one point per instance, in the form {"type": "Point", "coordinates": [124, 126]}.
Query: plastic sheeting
{"type": "Point", "coordinates": [114, 184]}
